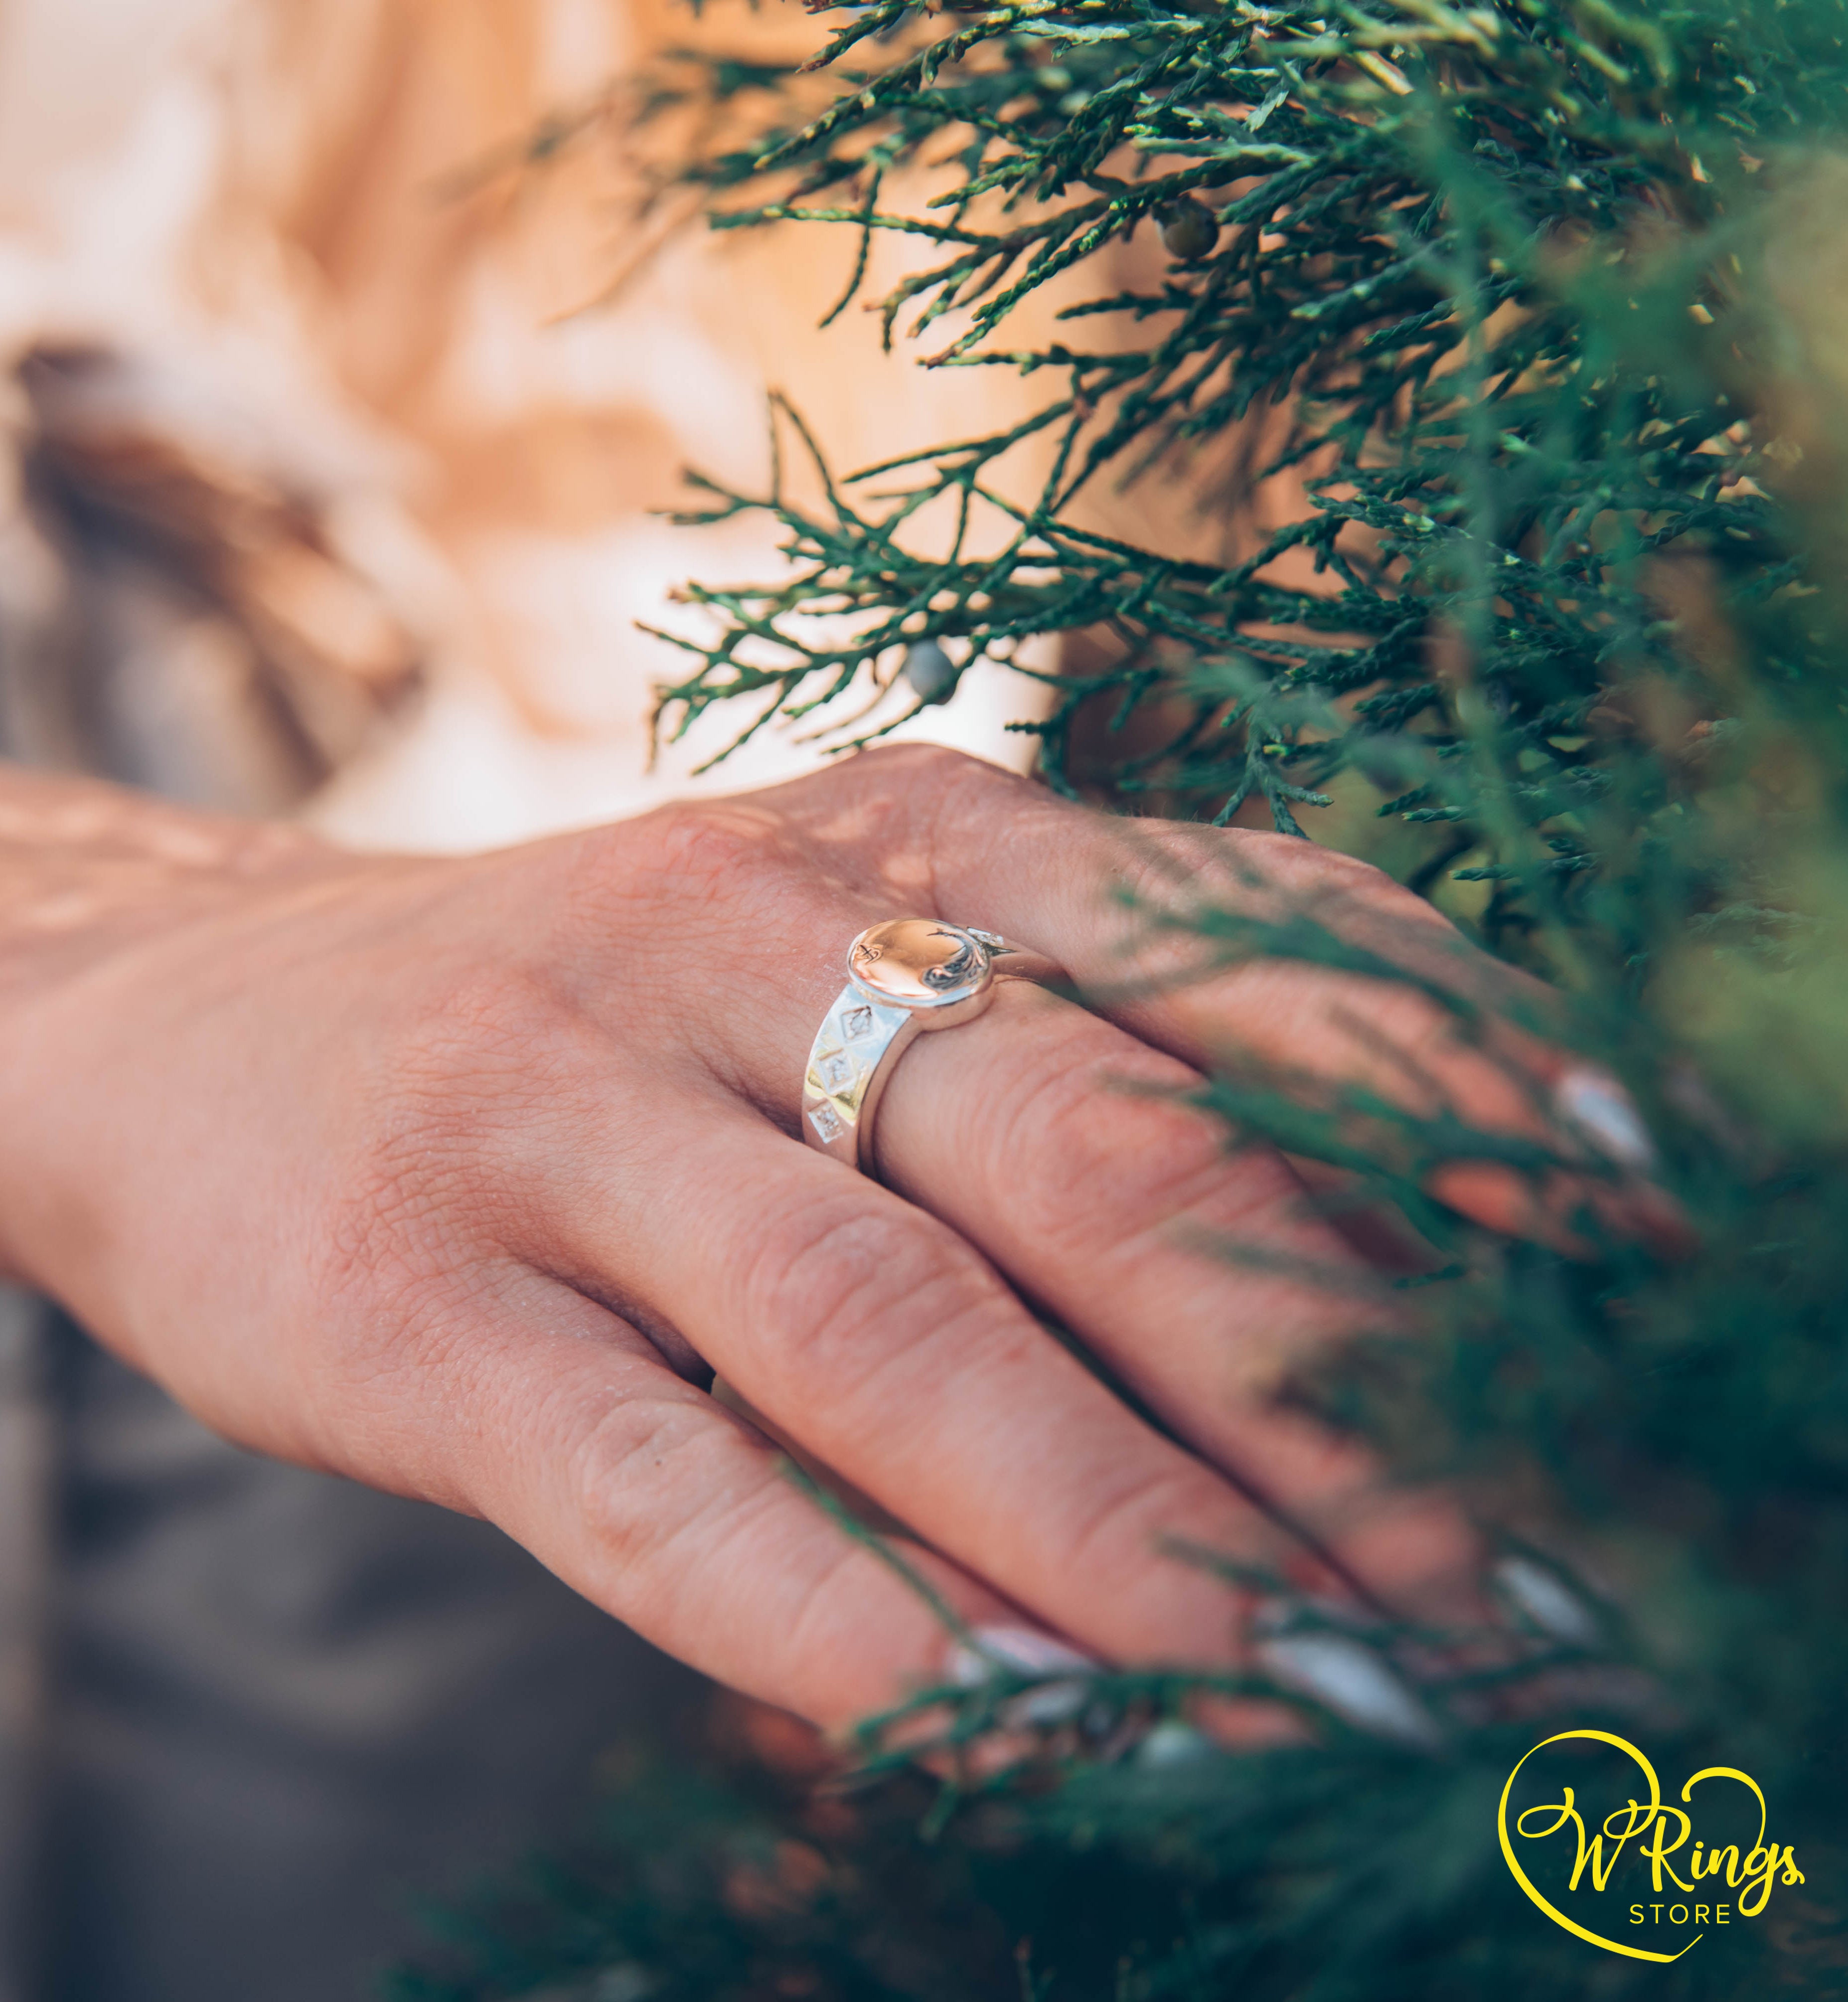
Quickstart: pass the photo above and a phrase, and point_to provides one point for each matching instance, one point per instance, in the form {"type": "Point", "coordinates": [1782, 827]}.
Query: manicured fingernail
{"type": "Point", "coordinates": [1346, 1676]}
{"type": "Point", "coordinates": [1024, 1649]}
{"type": "Point", "coordinates": [990, 1652]}
{"type": "Point", "coordinates": [1547, 1600]}
{"type": "Point", "coordinates": [1604, 1114]}
{"type": "Point", "coordinates": [1173, 1743]}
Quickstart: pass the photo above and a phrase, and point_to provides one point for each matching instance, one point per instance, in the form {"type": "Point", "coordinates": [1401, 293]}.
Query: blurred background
{"type": "Point", "coordinates": [350, 350]}
{"type": "Point", "coordinates": [337, 399]}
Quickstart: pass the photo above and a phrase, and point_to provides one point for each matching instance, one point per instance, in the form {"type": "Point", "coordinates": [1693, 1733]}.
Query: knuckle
{"type": "Point", "coordinates": [967, 793]}
{"type": "Point", "coordinates": [1291, 853]}
{"type": "Point", "coordinates": [641, 1477]}
{"type": "Point", "coordinates": [1288, 863]}
{"type": "Point", "coordinates": [1283, 880]}
{"type": "Point", "coordinates": [1306, 869]}
{"type": "Point", "coordinates": [705, 851]}
{"type": "Point", "coordinates": [1123, 1521]}
{"type": "Point", "coordinates": [1171, 859]}
{"type": "Point", "coordinates": [1110, 1166]}
{"type": "Point", "coordinates": [824, 1601]}
{"type": "Point", "coordinates": [935, 764]}
{"type": "Point", "coordinates": [924, 804]}
{"type": "Point", "coordinates": [1152, 878]}
{"type": "Point", "coordinates": [910, 805]}
{"type": "Point", "coordinates": [938, 774]}
{"type": "Point", "coordinates": [829, 1281]}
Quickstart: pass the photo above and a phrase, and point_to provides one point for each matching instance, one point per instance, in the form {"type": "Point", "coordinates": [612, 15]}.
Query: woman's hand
{"type": "Point", "coordinates": [459, 1177]}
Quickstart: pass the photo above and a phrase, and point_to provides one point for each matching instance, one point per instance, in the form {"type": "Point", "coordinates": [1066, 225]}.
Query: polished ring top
{"type": "Point", "coordinates": [904, 976]}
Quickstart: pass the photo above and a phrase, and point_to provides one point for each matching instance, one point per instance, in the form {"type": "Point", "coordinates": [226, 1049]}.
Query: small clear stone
{"type": "Point", "coordinates": [836, 1071]}
{"type": "Point", "coordinates": [827, 1122]}
{"type": "Point", "coordinates": [987, 938]}
{"type": "Point", "coordinates": [857, 1022]}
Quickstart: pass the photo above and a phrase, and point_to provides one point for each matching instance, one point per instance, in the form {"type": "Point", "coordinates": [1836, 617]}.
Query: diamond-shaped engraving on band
{"type": "Point", "coordinates": [827, 1122]}
{"type": "Point", "coordinates": [856, 1023]}
{"type": "Point", "coordinates": [837, 1071]}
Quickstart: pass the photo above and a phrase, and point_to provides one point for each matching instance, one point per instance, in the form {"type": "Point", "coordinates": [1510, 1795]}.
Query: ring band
{"type": "Point", "coordinates": [904, 977]}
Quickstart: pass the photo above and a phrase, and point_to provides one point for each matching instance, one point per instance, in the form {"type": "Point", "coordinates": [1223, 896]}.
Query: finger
{"type": "Point", "coordinates": [1430, 1023]}
{"type": "Point", "coordinates": [555, 1421]}
{"type": "Point", "coordinates": [890, 1348]}
{"type": "Point", "coordinates": [1436, 1029]}
{"type": "Point", "coordinates": [1203, 1380]}
{"type": "Point", "coordinates": [1201, 1275]}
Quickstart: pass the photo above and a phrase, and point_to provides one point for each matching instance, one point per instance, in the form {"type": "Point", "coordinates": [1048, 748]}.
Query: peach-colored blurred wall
{"type": "Point", "coordinates": [259, 198]}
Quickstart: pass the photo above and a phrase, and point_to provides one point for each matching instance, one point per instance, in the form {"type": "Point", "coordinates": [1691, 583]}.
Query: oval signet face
{"type": "Point", "coordinates": [918, 963]}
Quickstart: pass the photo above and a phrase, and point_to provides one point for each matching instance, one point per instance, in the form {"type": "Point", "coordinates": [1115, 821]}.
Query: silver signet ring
{"type": "Point", "coordinates": [904, 977]}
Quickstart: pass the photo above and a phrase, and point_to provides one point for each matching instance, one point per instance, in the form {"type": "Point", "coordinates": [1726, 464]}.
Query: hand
{"type": "Point", "coordinates": [459, 1177]}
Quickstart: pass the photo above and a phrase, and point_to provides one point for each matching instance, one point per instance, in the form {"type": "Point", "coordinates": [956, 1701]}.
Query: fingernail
{"type": "Point", "coordinates": [1604, 1114]}
{"type": "Point", "coordinates": [1346, 1676]}
{"type": "Point", "coordinates": [1025, 1651]}
{"type": "Point", "coordinates": [1547, 1600]}
{"type": "Point", "coordinates": [1173, 1743]}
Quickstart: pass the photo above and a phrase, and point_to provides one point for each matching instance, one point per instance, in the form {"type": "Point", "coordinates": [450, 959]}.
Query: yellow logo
{"type": "Point", "coordinates": [1747, 1876]}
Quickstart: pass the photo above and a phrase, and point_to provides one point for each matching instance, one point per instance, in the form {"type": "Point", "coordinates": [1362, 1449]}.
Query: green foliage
{"type": "Point", "coordinates": [1524, 313]}
{"type": "Point", "coordinates": [1466, 274]}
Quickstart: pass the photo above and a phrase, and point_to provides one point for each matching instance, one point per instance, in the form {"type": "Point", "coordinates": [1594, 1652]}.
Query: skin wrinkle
{"type": "Point", "coordinates": [610, 1380]}
{"type": "Point", "coordinates": [554, 1356]}
{"type": "Point", "coordinates": [923, 1366]}
{"type": "Point", "coordinates": [891, 1267]}
{"type": "Point", "coordinates": [601, 1479]}
{"type": "Point", "coordinates": [502, 1082]}
{"type": "Point", "coordinates": [402, 1222]}
{"type": "Point", "coordinates": [721, 1591]}
{"type": "Point", "coordinates": [1105, 1216]}
{"type": "Point", "coordinates": [817, 1608]}
{"type": "Point", "coordinates": [1132, 1525]}
{"type": "Point", "coordinates": [1250, 1367]}
{"type": "Point", "coordinates": [419, 1344]}
{"type": "Point", "coordinates": [1051, 1114]}
{"type": "Point", "coordinates": [937, 1364]}
{"type": "Point", "coordinates": [615, 1166]}
{"type": "Point", "coordinates": [730, 1522]}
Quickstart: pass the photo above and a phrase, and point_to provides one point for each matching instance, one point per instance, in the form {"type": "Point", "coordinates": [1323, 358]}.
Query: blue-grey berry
{"type": "Point", "coordinates": [1189, 230]}
{"type": "Point", "coordinates": [932, 675]}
